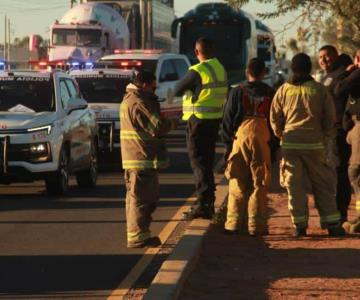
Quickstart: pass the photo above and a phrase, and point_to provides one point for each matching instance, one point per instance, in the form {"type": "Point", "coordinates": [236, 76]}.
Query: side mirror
{"type": "Point", "coordinates": [76, 104]}
{"type": "Point", "coordinates": [174, 27]}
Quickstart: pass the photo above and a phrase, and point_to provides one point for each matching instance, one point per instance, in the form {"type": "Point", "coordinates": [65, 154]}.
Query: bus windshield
{"type": "Point", "coordinates": [227, 38]}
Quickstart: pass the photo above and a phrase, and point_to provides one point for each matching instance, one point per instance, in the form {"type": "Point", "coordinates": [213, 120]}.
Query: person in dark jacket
{"type": "Point", "coordinates": [334, 65]}
{"type": "Point", "coordinates": [351, 123]}
{"type": "Point", "coordinates": [246, 132]}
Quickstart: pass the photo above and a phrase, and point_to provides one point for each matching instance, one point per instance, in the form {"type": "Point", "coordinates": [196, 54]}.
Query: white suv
{"type": "Point", "coordinates": [168, 68]}
{"type": "Point", "coordinates": [46, 131]}
{"type": "Point", "coordinates": [104, 90]}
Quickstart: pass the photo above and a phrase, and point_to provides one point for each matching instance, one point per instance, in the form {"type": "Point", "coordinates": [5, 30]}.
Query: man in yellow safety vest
{"type": "Point", "coordinates": [205, 90]}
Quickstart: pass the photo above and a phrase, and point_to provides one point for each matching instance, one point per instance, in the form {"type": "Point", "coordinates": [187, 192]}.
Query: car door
{"type": "Point", "coordinates": [167, 80]}
{"type": "Point", "coordinates": [82, 130]}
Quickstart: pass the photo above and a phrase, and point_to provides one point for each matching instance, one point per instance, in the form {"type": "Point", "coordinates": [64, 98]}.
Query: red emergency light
{"type": "Point", "coordinates": [133, 63]}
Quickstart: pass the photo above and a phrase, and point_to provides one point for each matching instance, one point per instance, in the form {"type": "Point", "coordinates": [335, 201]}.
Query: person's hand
{"type": "Point", "coordinates": [351, 67]}
{"type": "Point", "coordinates": [357, 60]}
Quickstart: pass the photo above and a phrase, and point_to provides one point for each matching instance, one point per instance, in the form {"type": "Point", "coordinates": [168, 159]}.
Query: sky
{"type": "Point", "coordinates": [35, 16]}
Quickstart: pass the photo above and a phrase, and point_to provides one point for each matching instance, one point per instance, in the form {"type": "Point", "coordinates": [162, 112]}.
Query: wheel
{"type": "Point", "coordinates": [88, 177]}
{"type": "Point", "coordinates": [57, 183]}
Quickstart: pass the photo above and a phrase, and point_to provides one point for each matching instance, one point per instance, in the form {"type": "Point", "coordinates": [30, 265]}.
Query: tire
{"type": "Point", "coordinates": [57, 184]}
{"type": "Point", "coordinates": [88, 177]}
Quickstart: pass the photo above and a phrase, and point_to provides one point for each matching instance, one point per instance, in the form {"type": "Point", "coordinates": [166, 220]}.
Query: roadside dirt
{"type": "Point", "coordinates": [277, 266]}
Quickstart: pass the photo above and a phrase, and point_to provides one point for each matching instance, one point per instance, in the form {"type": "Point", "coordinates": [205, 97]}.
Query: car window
{"type": "Point", "coordinates": [181, 67]}
{"type": "Point", "coordinates": [64, 94]}
{"type": "Point", "coordinates": [72, 89]}
{"type": "Point", "coordinates": [168, 72]}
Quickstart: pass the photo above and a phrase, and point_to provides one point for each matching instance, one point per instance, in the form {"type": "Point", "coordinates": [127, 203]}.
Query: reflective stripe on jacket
{"type": "Point", "coordinates": [142, 131]}
{"type": "Point", "coordinates": [210, 102]}
{"type": "Point", "coordinates": [302, 116]}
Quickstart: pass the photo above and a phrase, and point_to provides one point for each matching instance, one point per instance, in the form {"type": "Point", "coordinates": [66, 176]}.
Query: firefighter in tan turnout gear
{"type": "Point", "coordinates": [246, 131]}
{"type": "Point", "coordinates": [303, 117]}
{"type": "Point", "coordinates": [143, 153]}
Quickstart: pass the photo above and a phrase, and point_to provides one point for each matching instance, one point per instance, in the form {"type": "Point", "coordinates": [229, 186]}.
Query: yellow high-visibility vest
{"type": "Point", "coordinates": [210, 102]}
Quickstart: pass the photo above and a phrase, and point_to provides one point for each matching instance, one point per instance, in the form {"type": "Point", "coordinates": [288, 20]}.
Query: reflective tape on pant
{"type": "Point", "coordinates": [135, 237]}
{"type": "Point", "coordinates": [134, 135]}
{"type": "Point", "coordinates": [357, 206]}
{"type": "Point", "coordinates": [299, 220]}
{"type": "Point", "coordinates": [330, 218]}
{"type": "Point", "coordinates": [144, 164]}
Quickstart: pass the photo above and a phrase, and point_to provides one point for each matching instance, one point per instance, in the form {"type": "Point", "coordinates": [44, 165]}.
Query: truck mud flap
{"type": "Point", "coordinates": [4, 149]}
{"type": "Point", "coordinates": [106, 136]}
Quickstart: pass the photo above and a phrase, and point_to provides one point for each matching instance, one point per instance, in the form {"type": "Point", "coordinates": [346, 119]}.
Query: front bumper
{"type": "Point", "coordinates": [109, 135]}
{"type": "Point", "coordinates": [23, 162]}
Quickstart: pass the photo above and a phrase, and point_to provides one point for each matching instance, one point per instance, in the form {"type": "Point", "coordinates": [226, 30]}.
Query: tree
{"type": "Point", "coordinates": [342, 11]}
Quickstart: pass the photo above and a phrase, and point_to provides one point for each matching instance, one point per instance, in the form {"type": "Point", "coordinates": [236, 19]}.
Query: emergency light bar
{"type": "Point", "coordinates": [138, 51]}
{"type": "Point", "coordinates": [63, 64]}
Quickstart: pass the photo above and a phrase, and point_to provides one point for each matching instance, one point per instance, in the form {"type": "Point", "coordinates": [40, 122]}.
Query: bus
{"type": "Point", "coordinates": [266, 50]}
{"type": "Point", "coordinates": [237, 36]}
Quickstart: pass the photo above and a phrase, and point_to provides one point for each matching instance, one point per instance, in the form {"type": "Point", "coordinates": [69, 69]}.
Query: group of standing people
{"type": "Point", "coordinates": [306, 116]}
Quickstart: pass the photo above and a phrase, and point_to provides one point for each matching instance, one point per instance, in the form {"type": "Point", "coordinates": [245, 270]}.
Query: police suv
{"type": "Point", "coordinates": [46, 131]}
{"type": "Point", "coordinates": [168, 68]}
{"type": "Point", "coordinates": [104, 90]}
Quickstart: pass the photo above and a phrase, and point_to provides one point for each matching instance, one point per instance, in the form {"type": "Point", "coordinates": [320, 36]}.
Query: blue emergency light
{"type": "Point", "coordinates": [89, 65]}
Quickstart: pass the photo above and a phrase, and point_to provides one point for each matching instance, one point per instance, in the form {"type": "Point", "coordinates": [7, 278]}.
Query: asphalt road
{"type": "Point", "coordinates": [74, 247]}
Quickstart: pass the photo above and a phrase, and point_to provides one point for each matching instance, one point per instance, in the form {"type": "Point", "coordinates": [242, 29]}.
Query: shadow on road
{"type": "Point", "coordinates": [22, 275]}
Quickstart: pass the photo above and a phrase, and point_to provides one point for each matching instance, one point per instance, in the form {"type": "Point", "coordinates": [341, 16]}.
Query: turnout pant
{"type": "Point", "coordinates": [343, 188]}
{"type": "Point", "coordinates": [142, 196]}
{"type": "Point", "coordinates": [201, 136]}
{"type": "Point", "coordinates": [249, 176]}
{"type": "Point", "coordinates": [295, 165]}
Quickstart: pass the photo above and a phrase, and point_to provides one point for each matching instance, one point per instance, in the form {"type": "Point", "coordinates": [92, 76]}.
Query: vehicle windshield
{"type": "Point", "coordinates": [227, 38]}
{"type": "Point", "coordinates": [265, 45]}
{"type": "Point", "coordinates": [77, 37]}
{"type": "Point", "coordinates": [130, 64]}
{"type": "Point", "coordinates": [26, 94]}
{"type": "Point", "coordinates": [103, 88]}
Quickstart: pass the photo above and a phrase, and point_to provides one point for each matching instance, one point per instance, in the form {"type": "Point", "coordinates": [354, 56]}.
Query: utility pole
{"type": "Point", "coordinates": [5, 37]}
{"type": "Point", "coordinates": [143, 23]}
{"type": "Point", "coordinates": [150, 24]}
{"type": "Point", "coordinates": [9, 39]}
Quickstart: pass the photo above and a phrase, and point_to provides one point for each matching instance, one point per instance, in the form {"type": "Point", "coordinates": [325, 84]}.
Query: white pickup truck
{"type": "Point", "coordinates": [46, 131]}
{"type": "Point", "coordinates": [168, 68]}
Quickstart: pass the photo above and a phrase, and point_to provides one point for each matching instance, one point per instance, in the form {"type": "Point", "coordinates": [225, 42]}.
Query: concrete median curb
{"type": "Point", "coordinates": [174, 271]}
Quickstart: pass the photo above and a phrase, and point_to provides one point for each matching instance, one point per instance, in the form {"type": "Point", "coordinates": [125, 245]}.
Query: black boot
{"type": "Point", "coordinates": [299, 232]}
{"type": "Point", "coordinates": [202, 211]}
{"type": "Point", "coordinates": [336, 231]}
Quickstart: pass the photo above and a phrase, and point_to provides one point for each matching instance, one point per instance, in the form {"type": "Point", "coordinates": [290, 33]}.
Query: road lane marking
{"type": "Point", "coordinates": [150, 253]}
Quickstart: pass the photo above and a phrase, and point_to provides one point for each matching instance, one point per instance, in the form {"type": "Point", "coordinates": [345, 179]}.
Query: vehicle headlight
{"type": "Point", "coordinates": [46, 128]}
{"type": "Point", "coordinates": [38, 148]}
